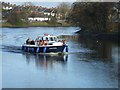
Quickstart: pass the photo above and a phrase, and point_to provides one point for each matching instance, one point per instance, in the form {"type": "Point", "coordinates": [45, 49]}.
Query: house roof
{"type": "Point", "coordinates": [48, 10]}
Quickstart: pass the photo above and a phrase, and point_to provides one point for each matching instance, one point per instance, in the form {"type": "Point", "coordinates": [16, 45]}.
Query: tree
{"type": "Point", "coordinates": [63, 9]}
{"type": "Point", "coordinates": [14, 18]}
{"type": "Point", "coordinates": [91, 16]}
{"type": "Point", "coordinates": [19, 14]}
{"type": "Point", "coordinates": [27, 4]}
{"type": "Point", "coordinates": [26, 10]}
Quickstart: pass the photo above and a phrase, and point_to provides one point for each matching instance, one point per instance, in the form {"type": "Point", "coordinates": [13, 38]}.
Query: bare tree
{"type": "Point", "coordinates": [26, 10]}
{"type": "Point", "coordinates": [28, 4]}
{"type": "Point", "coordinates": [63, 9]}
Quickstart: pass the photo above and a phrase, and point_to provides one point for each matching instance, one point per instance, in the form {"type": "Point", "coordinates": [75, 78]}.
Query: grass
{"type": "Point", "coordinates": [48, 24]}
{"type": "Point", "coordinates": [36, 24]}
{"type": "Point", "coordinates": [10, 25]}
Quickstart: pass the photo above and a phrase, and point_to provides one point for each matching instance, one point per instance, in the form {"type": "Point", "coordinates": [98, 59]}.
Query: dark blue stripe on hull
{"type": "Point", "coordinates": [43, 49]}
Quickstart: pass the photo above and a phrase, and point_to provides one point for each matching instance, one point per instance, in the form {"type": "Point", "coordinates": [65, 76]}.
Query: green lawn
{"type": "Point", "coordinates": [37, 24]}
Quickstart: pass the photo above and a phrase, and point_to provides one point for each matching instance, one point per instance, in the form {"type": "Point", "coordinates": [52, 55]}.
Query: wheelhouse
{"type": "Point", "coordinates": [49, 38]}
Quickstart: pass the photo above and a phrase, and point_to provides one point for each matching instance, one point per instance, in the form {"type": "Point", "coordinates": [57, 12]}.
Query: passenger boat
{"type": "Point", "coordinates": [46, 44]}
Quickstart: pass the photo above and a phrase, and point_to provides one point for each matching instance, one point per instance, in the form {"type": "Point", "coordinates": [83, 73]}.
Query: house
{"type": "Point", "coordinates": [7, 6]}
{"type": "Point", "coordinates": [31, 19]}
{"type": "Point", "coordinates": [41, 14]}
{"type": "Point", "coordinates": [49, 12]}
{"type": "Point", "coordinates": [38, 16]}
{"type": "Point", "coordinates": [37, 13]}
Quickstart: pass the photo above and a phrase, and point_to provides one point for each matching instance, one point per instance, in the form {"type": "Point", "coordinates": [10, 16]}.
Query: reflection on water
{"type": "Point", "coordinates": [46, 60]}
{"type": "Point", "coordinates": [104, 50]}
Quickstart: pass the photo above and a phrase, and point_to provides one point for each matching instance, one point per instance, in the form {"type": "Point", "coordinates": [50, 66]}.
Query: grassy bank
{"type": "Point", "coordinates": [48, 24]}
{"type": "Point", "coordinates": [37, 24]}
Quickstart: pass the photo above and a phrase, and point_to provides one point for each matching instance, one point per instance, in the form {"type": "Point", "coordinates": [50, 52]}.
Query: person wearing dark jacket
{"type": "Point", "coordinates": [28, 41]}
{"type": "Point", "coordinates": [32, 42]}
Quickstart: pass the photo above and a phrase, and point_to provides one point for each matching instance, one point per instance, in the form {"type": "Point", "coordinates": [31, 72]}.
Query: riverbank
{"type": "Point", "coordinates": [113, 36]}
{"type": "Point", "coordinates": [36, 24]}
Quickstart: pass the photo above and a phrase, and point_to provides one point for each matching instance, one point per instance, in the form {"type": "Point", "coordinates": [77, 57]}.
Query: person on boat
{"type": "Point", "coordinates": [64, 41]}
{"type": "Point", "coordinates": [46, 41]}
{"type": "Point", "coordinates": [32, 42]}
{"type": "Point", "coordinates": [28, 41]}
{"type": "Point", "coordinates": [42, 42]}
{"type": "Point", "coordinates": [37, 41]}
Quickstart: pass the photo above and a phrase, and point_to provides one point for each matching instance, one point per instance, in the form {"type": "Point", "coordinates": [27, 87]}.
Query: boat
{"type": "Point", "coordinates": [46, 44]}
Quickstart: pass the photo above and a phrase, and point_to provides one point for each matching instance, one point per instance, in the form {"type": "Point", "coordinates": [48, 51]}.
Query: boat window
{"type": "Point", "coordinates": [42, 38]}
{"type": "Point", "coordinates": [55, 38]}
{"type": "Point", "coordinates": [38, 38]}
{"type": "Point", "coordinates": [46, 38]}
{"type": "Point", "coordinates": [51, 39]}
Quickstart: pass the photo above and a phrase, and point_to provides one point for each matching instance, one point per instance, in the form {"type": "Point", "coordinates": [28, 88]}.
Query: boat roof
{"type": "Point", "coordinates": [48, 35]}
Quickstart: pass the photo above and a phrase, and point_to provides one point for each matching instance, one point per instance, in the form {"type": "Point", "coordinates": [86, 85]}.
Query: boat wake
{"type": "Point", "coordinates": [14, 49]}
{"type": "Point", "coordinates": [18, 49]}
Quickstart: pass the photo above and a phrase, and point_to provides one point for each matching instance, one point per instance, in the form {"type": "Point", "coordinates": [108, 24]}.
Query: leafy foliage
{"type": "Point", "coordinates": [91, 16]}
{"type": "Point", "coordinates": [14, 19]}
{"type": "Point", "coordinates": [18, 15]}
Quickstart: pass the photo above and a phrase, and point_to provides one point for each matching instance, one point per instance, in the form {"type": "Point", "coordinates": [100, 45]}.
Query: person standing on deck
{"type": "Point", "coordinates": [28, 41]}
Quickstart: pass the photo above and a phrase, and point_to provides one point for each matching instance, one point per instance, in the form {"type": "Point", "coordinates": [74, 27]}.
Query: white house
{"type": "Point", "coordinates": [7, 8]}
{"type": "Point", "coordinates": [49, 12]}
{"type": "Point", "coordinates": [43, 15]}
{"type": "Point", "coordinates": [38, 19]}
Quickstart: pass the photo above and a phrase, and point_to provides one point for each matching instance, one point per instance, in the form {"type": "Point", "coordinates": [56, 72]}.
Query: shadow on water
{"type": "Point", "coordinates": [105, 50]}
{"type": "Point", "coordinates": [46, 60]}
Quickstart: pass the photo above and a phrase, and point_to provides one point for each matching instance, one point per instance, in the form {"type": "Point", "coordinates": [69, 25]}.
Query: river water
{"type": "Point", "coordinates": [90, 63]}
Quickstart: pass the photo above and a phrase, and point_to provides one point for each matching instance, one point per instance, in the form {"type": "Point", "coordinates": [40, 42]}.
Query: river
{"type": "Point", "coordinates": [90, 63]}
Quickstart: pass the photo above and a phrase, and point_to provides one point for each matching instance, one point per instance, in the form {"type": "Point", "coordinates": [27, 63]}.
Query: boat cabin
{"type": "Point", "coordinates": [50, 38]}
